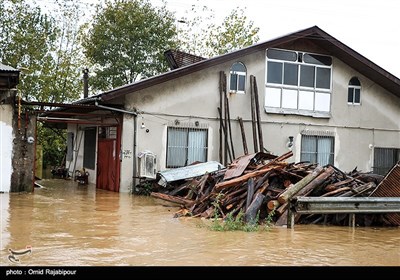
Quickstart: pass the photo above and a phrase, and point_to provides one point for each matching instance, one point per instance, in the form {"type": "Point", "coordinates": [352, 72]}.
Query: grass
{"type": "Point", "coordinates": [238, 223]}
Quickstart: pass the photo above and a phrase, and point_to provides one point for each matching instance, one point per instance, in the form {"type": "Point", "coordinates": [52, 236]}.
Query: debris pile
{"type": "Point", "coordinates": [261, 185]}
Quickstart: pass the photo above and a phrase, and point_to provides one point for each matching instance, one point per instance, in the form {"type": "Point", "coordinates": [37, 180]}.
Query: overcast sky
{"type": "Point", "coordinates": [370, 27]}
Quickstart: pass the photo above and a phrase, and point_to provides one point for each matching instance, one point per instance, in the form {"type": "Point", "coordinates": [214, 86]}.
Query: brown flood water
{"type": "Point", "coordinates": [71, 225]}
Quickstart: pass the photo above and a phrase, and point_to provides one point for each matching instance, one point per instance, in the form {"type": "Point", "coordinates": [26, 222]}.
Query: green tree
{"type": "Point", "coordinates": [45, 47]}
{"type": "Point", "coordinates": [126, 42]}
{"type": "Point", "coordinates": [200, 35]}
{"type": "Point", "coordinates": [234, 33]}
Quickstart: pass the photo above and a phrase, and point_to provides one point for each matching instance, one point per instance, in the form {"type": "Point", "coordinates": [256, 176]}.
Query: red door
{"type": "Point", "coordinates": [108, 160]}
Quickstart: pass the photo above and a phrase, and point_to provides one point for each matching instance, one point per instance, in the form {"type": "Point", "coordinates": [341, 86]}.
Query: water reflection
{"type": "Point", "coordinates": [68, 224]}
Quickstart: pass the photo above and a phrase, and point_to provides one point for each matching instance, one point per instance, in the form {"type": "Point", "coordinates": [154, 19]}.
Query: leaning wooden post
{"type": "Point", "coordinates": [257, 109]}
{"type": "Point", "coordinates": [243, 136]}
{"type": "Point", "coordinates": [253, 115]}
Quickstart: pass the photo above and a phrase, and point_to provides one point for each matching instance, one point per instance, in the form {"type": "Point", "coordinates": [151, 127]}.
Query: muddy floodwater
{"type": "Point", "coordinates": [67, 224]}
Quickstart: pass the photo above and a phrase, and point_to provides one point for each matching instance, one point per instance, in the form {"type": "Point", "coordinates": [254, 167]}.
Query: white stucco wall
{"type": "Point", "coordinates": [6, 142]}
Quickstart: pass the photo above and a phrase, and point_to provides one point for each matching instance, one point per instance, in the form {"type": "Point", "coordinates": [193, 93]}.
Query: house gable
{"type": "Point", "coordinates": [315, 36]}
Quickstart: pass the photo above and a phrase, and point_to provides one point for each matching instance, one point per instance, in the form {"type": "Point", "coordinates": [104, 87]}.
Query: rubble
{"type": "Point", "coordinates": [262, 184]}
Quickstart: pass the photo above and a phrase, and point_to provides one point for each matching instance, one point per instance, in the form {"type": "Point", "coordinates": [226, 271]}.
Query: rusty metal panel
{"type": "Point", "coordinates": [238, 166]}
{"type": "Point", "coordinates": [390, 187]}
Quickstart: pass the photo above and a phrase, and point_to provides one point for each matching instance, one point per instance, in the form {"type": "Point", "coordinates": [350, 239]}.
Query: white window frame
{"type": "Point", "coordinates": [318, 154]}
{"type": "Point", "coordinates": [299, 96]}
{"type": "Point", "coordinates": [353, 88]}
{"type": "Point", "coordinates": [238, 75]}
{"type": "Point", "coordinates": [191, 148]}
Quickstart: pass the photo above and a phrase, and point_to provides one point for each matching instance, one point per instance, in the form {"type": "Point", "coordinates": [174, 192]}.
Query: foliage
{"type": "Point", "coordinates": [231, 222]}
{"type": "Point", "coordinates": [54, 145]}
{"type": "Point", "coordinates": [201, 36]}
{"type": "Point", "coordinates": [232, 35]}
{"type": "Point", "coordinates": [269, 220]}
{"type": "Point", "coordinates": [43, 48]}
{"type": "Point", "coordinates": [126, 42]}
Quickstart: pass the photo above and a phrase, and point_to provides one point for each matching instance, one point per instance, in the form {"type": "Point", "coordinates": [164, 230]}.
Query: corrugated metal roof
{"type": "Point", "coordinates": [7, 68]}
{"type": "Point", "coordinates": [390, 187]}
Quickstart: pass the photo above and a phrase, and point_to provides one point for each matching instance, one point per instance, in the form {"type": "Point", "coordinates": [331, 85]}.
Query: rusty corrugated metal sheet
{"type": "Point", "coordinates": [240, 164]}
{"type": "Point", "coordinates": [390, 187]}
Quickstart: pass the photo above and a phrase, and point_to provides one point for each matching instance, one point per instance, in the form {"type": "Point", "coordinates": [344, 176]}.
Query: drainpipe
{"type": "Point", "coordinates": [134, 176]}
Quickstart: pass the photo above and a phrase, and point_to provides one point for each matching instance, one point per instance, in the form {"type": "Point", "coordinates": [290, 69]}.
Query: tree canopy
{"type": "Point", "coordinates": [126, 42]}
{"type": "Point", "coordinates": [200, 34]}
{"type": "Point", "coordinates": [43, 48]}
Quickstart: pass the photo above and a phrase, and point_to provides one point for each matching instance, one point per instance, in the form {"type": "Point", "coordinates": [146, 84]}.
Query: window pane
{"type": "Point", "coordinates": [306, 100]}
{"type": "Point", "coordinates": [350, 96]}
{"type": "Point", "coordinates": [325, 149]}
{"type": "Point", "coordinates": [177, 147]}
{"type": "Point", "coordinates": [185, 146]}
{"type": "Point", "coordinates": [238, 67]}
{"type": "Point", "coordinates": [308, 148]}
{"type": "Point", "coordinates": [242, 82]}
{"type": "Point", "coordinates": [281, 55]}
{"type": "Point", "coordinates": [357, 95]}
{"type": "Point", "coordinates": [233, 83]}
{"type": "Point", "coordinates": [354, 82]}
{"type": "Point", "coordinates": [289, 99]}
{"type": "Point", "coordinates": [273, 97]}
{"type": "Point", "coordinates": [317, 149]}
{"type": "Point", "coordinates": [317, 59]}
{"type": "Point", "coordinates": [197, 150]}
{"type": "Point", "coordinates": [274, 74]}
{"type": "Point", "coordinates": [290, 74]}
{"type": "Point", "coordinates": [322, 101]}
{"type": "Point", "coordinates": [323, 78]}
{"type": "Point", "coordinates": [307, 76]}
{"type": "Point", "coordinates": [89, 152]}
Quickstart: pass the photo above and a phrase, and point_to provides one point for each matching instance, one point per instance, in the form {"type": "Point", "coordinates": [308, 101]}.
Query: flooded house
{"type": "Point", "coordinates": [306, 92]}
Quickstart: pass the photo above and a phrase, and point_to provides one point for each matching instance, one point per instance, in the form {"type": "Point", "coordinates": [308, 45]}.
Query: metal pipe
{"type": "Point", "coordinates": [115, 109]}
{"type": "Point", "coordinates": [134, 172]}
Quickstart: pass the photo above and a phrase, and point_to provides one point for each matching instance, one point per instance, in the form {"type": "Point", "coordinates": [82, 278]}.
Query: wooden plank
{"type": "Point", "coordinates": [243, 178]}
{"type": "Point", "coordinates": [257, 109]}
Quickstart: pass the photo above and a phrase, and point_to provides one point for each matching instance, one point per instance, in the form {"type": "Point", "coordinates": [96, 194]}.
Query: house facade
{"type": "Point", "coordinates": [306, 92]}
